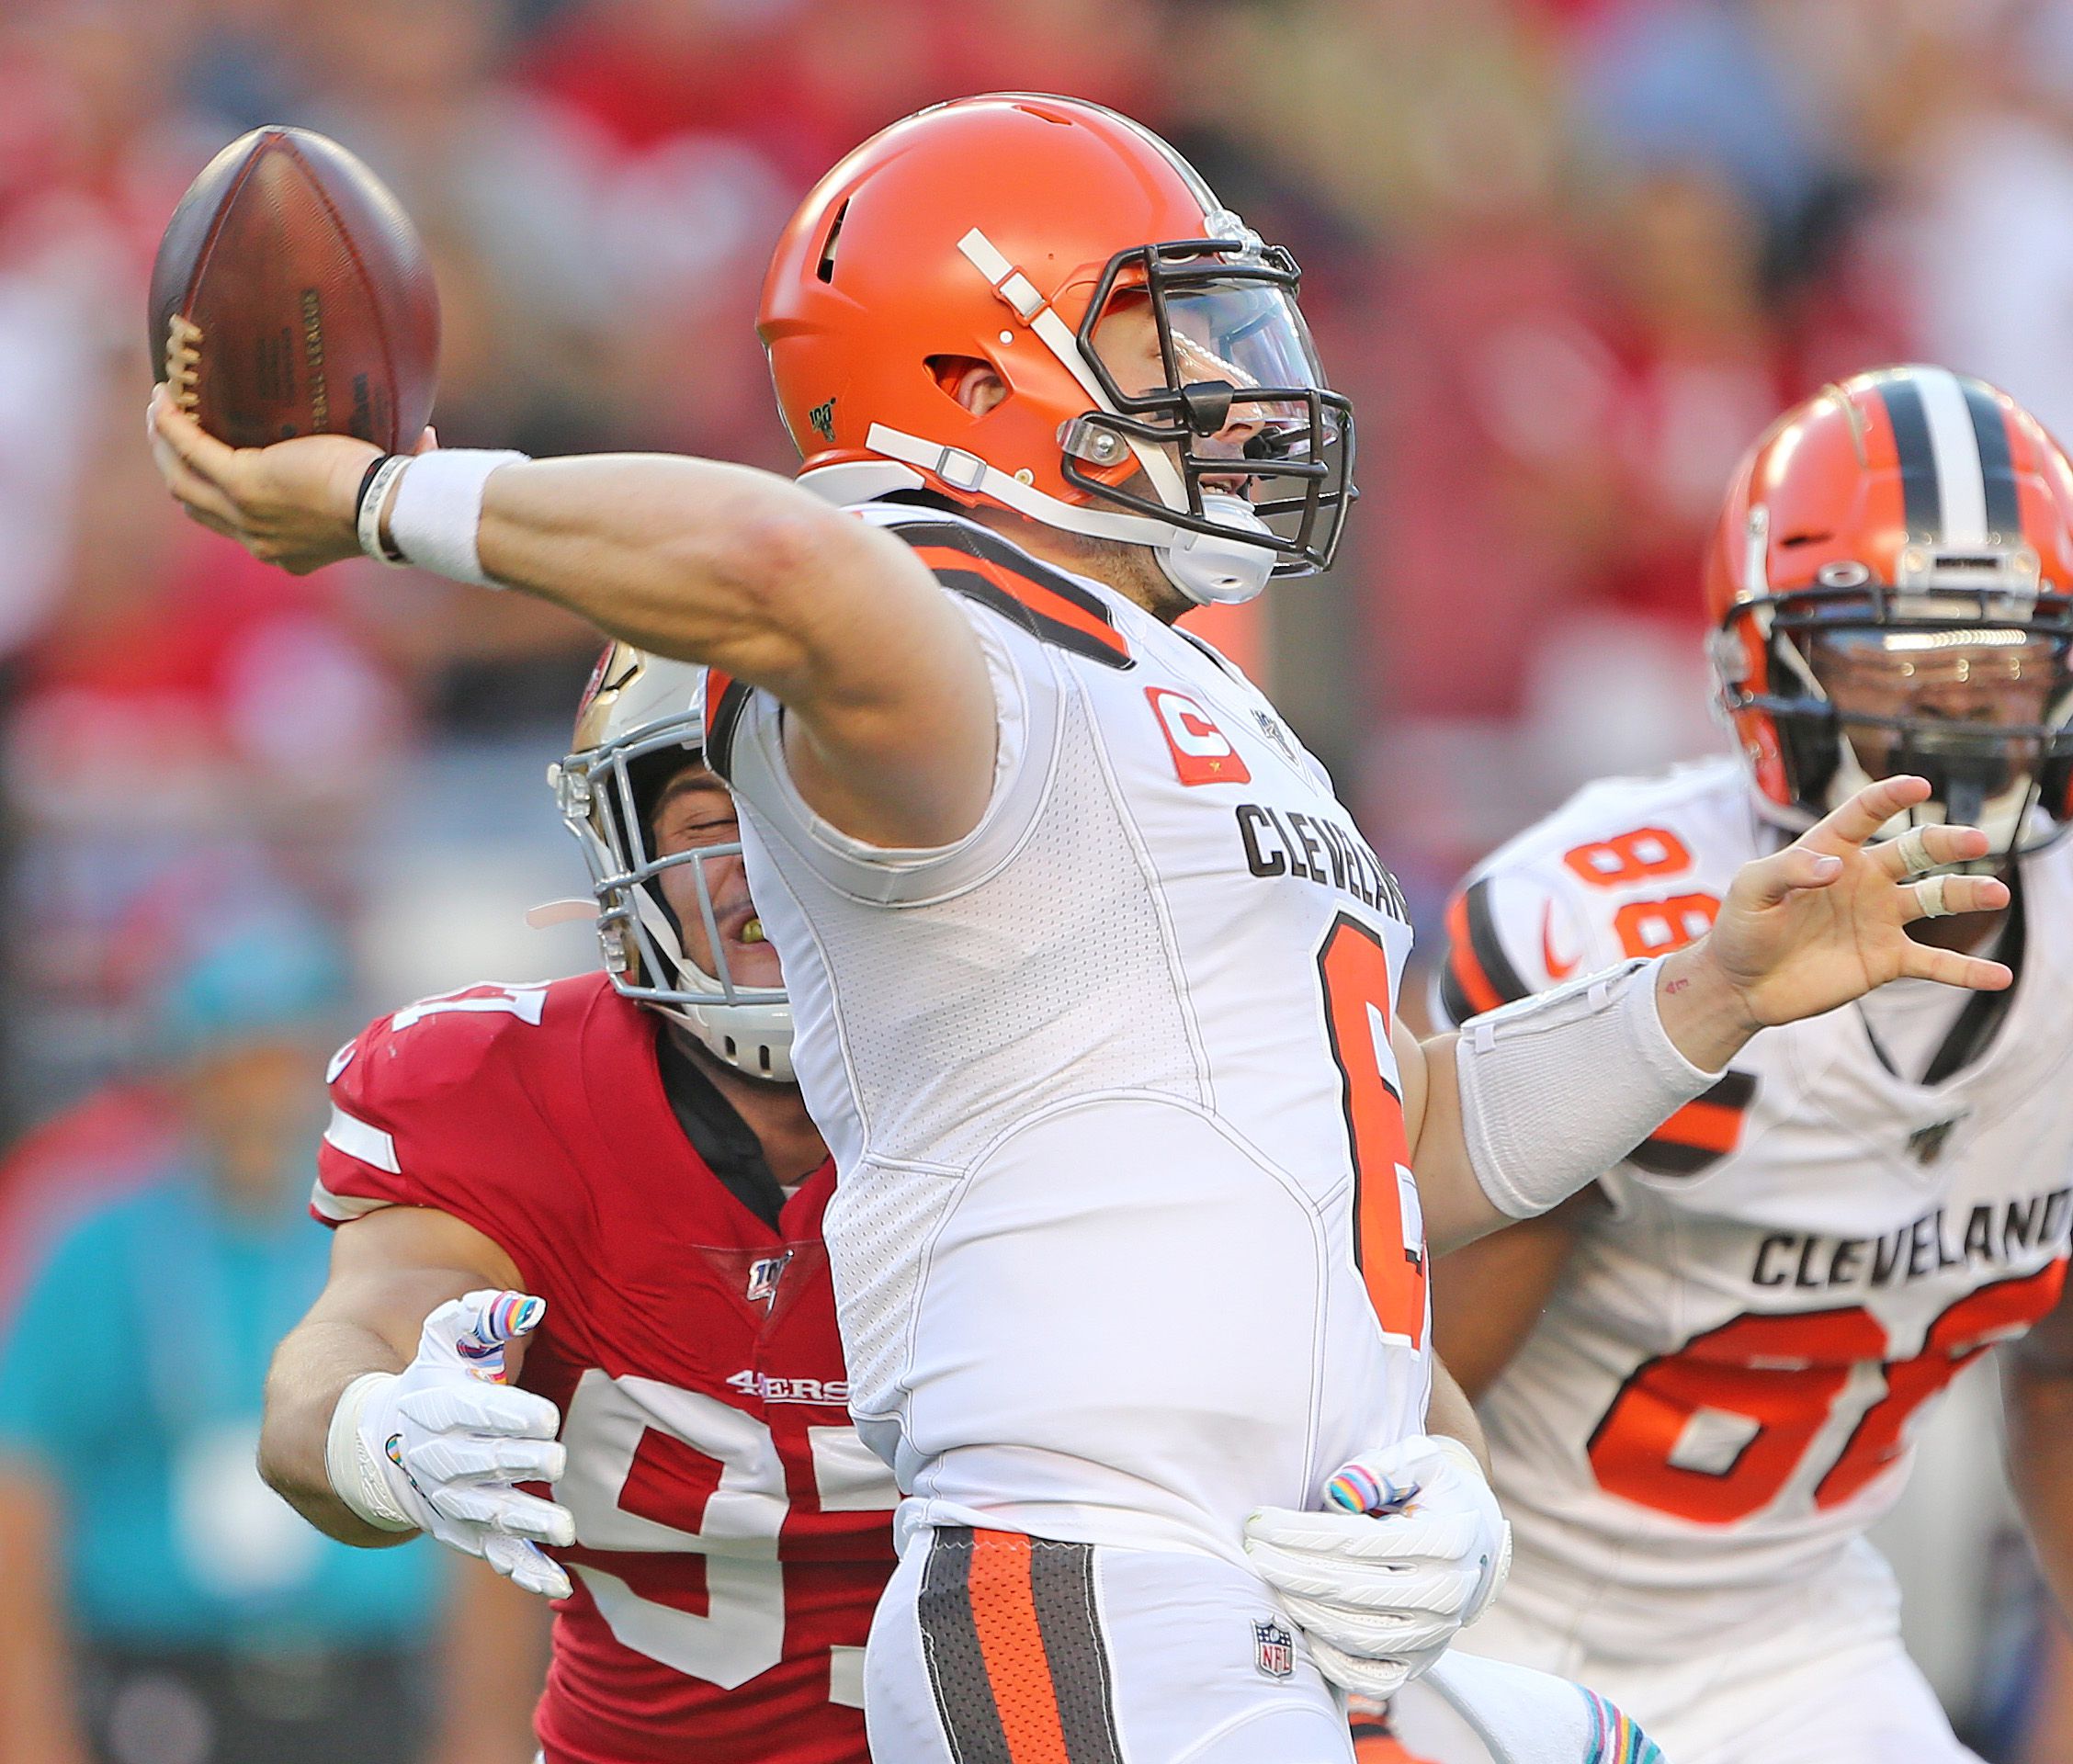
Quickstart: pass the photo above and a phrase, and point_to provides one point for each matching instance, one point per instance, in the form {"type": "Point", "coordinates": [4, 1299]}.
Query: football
{"type": "Point", "coordinates": [291, 296]}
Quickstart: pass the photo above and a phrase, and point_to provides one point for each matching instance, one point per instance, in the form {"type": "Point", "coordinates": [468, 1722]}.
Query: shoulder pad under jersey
{"type": "Point", "coordinates": [427, 1099]}
{"type": "Point", "coordinates": [1050, 603]}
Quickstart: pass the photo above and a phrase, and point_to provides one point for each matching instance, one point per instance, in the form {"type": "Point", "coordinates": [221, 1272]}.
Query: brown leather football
{"type": "Point", "coordinates": [292, 296]}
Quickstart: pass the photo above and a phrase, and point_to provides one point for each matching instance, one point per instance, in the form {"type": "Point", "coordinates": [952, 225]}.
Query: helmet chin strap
{"type": "Point", "coordinates": [1976, 790]}
{"type": "Point", "coordinates": [1210, 569]}
{"type": "Point", "coordinates": [1218, 569]}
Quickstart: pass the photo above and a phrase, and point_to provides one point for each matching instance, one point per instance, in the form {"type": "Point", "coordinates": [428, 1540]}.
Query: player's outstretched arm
{"type": "Point", "coordinates": [39, 1682]}
{"type": "Point", "coordinates": [1525, 1105]}
{"type": "Point", "coordinates": [389, 1271]}
{"type": "Point", "coordinates": [691, 559]}
{"type": "Point", "coordinates": [493, 1646]}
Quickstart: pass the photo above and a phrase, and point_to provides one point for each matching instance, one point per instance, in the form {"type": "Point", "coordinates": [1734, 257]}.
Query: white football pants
{"type": "Point", "coordinates": [990, 1646]}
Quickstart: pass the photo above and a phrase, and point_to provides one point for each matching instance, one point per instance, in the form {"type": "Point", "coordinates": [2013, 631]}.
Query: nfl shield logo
{"type": "Point", "coordinates": [1273, 1649]}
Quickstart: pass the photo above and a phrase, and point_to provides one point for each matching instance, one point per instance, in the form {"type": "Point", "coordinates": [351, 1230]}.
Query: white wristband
{"type": "Point", "coordinates": [369, 518]}
{"type": "Point", "coordinates": [1559, 1088]}
{"type": "Point", "coordinates": [439, 507]}
{"type": "Point", "coordinates": [355, 1479]}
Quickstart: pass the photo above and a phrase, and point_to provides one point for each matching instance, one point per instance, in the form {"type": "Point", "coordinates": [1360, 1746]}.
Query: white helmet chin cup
{"type": "Point", "coordinates": [2002, 818]}
{"type": "Point", "coordinates": [756, 1039]}
{"type": "Point", "coordinates": [1217, 568]}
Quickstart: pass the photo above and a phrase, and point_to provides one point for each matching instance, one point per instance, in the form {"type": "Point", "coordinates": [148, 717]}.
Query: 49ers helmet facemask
{"type": "Point", "coordinates": [1891, 587]}
{"type": "Point", "coordinates": [1159, 384]}
{"type": "Point", "coordinates": [643, 719]}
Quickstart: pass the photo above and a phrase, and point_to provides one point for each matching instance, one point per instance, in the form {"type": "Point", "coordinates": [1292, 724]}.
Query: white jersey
{"type": "Point", "coordinates": [1721, 1395]}
{"type": "Point", "coordinates": [1104, 1081]}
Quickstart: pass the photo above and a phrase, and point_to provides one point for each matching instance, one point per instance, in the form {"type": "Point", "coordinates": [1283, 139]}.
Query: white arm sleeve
{"type": "Point", "coordinates": [1558, 1088]}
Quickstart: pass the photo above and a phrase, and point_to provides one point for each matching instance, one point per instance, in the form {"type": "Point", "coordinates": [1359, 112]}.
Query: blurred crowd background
{"type": "Point", "coordinates": [1569, 256]}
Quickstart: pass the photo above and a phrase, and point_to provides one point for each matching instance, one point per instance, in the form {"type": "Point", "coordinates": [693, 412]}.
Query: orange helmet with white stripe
{"type": "Point", "coordinates": [1159, 384]}
{"type": "Point", "coordinates": [1891, 587]}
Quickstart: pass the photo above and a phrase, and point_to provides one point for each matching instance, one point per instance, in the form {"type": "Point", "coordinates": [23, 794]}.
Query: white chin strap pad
{"type": "Point", "coordinates": [1218, 569]}
{"type": "Point", "coordinates": [1210, 569]}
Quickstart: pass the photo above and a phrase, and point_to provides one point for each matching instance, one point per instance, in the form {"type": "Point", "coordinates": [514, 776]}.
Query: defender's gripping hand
{"type": "Point", "coordinates": [439, 1446]}
{"type": "Point", "coordinates": [1380, 1593]}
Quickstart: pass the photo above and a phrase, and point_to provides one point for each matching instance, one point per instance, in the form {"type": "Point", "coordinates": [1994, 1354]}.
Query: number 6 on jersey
{"type": "Point", "coordinates": [1388, 1228]}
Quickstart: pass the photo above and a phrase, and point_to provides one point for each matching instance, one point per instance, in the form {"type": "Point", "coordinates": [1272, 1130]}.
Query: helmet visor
{"type": "Point", "coordinates": [1980, 710]}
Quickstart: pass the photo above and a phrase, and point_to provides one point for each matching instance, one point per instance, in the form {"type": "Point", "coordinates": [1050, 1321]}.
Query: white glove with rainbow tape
{"type": "Point", "coordinates": [439, 1446]}
{"type": "Point", "coordinates": [1413, 1549]}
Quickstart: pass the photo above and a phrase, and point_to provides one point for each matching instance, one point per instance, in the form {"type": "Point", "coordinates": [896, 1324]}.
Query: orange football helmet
{"type": "Point", "coordinates": [1891, 588]}
{"type": "Point", "coordinates": [1005, 232]}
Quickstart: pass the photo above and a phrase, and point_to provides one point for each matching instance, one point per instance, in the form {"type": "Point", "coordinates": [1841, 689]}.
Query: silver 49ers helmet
{"type": "Point", "coordinates": [641, 720]}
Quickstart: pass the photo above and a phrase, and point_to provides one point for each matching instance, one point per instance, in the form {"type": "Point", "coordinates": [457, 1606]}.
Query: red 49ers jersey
{"type": "Point", "coordinates": [733, 1532]}
{"type": "Point", "coordinates": [1722, 1393]}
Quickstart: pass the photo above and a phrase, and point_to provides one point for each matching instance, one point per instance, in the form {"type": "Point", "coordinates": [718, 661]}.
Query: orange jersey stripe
{"type": "Point", "coordinates": [1704, 1126]}
{"type": "Point", "coordinates": [1380, 1748]}
{"type": "Point", "coordinates": [1461, 956]}
{"type": "Point", "coordinates": [1031, 593]}
{"type": "Point", "coordinates": [717, 685]}
{"type": "Point", "coordinates": [1003, 1611]}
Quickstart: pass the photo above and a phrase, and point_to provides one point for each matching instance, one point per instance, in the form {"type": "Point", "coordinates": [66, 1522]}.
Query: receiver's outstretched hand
{"type": "Point", "coordinates": [1825, 920]}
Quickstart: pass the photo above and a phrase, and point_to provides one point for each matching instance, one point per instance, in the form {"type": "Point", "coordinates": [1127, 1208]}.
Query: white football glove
{"type": "Point", "coordinates": [1380, 1595]}
{"type": "Point", "coordinates": [437, 1447]}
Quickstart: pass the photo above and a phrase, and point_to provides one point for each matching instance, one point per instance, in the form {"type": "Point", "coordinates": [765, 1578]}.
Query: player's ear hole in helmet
{"type": "Point", "coordinates": [640, 735]}
{"type": "Point", "coordinates": [1892, 589]}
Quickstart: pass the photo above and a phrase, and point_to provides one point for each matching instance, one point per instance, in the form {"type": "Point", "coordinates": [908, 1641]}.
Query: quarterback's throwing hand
{"type": "Point", "coordinates": [292, 503]}
{"type": "Point", "coordinates": [1380, 1595]}
{"type": "Point", "coordinates": [440, 1446]}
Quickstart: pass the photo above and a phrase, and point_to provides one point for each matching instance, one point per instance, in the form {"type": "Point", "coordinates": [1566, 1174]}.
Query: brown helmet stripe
{"type": "Point", "coordinates": [1916, 454]}
{"type": "Point", "coordinates": [1989, 428]}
